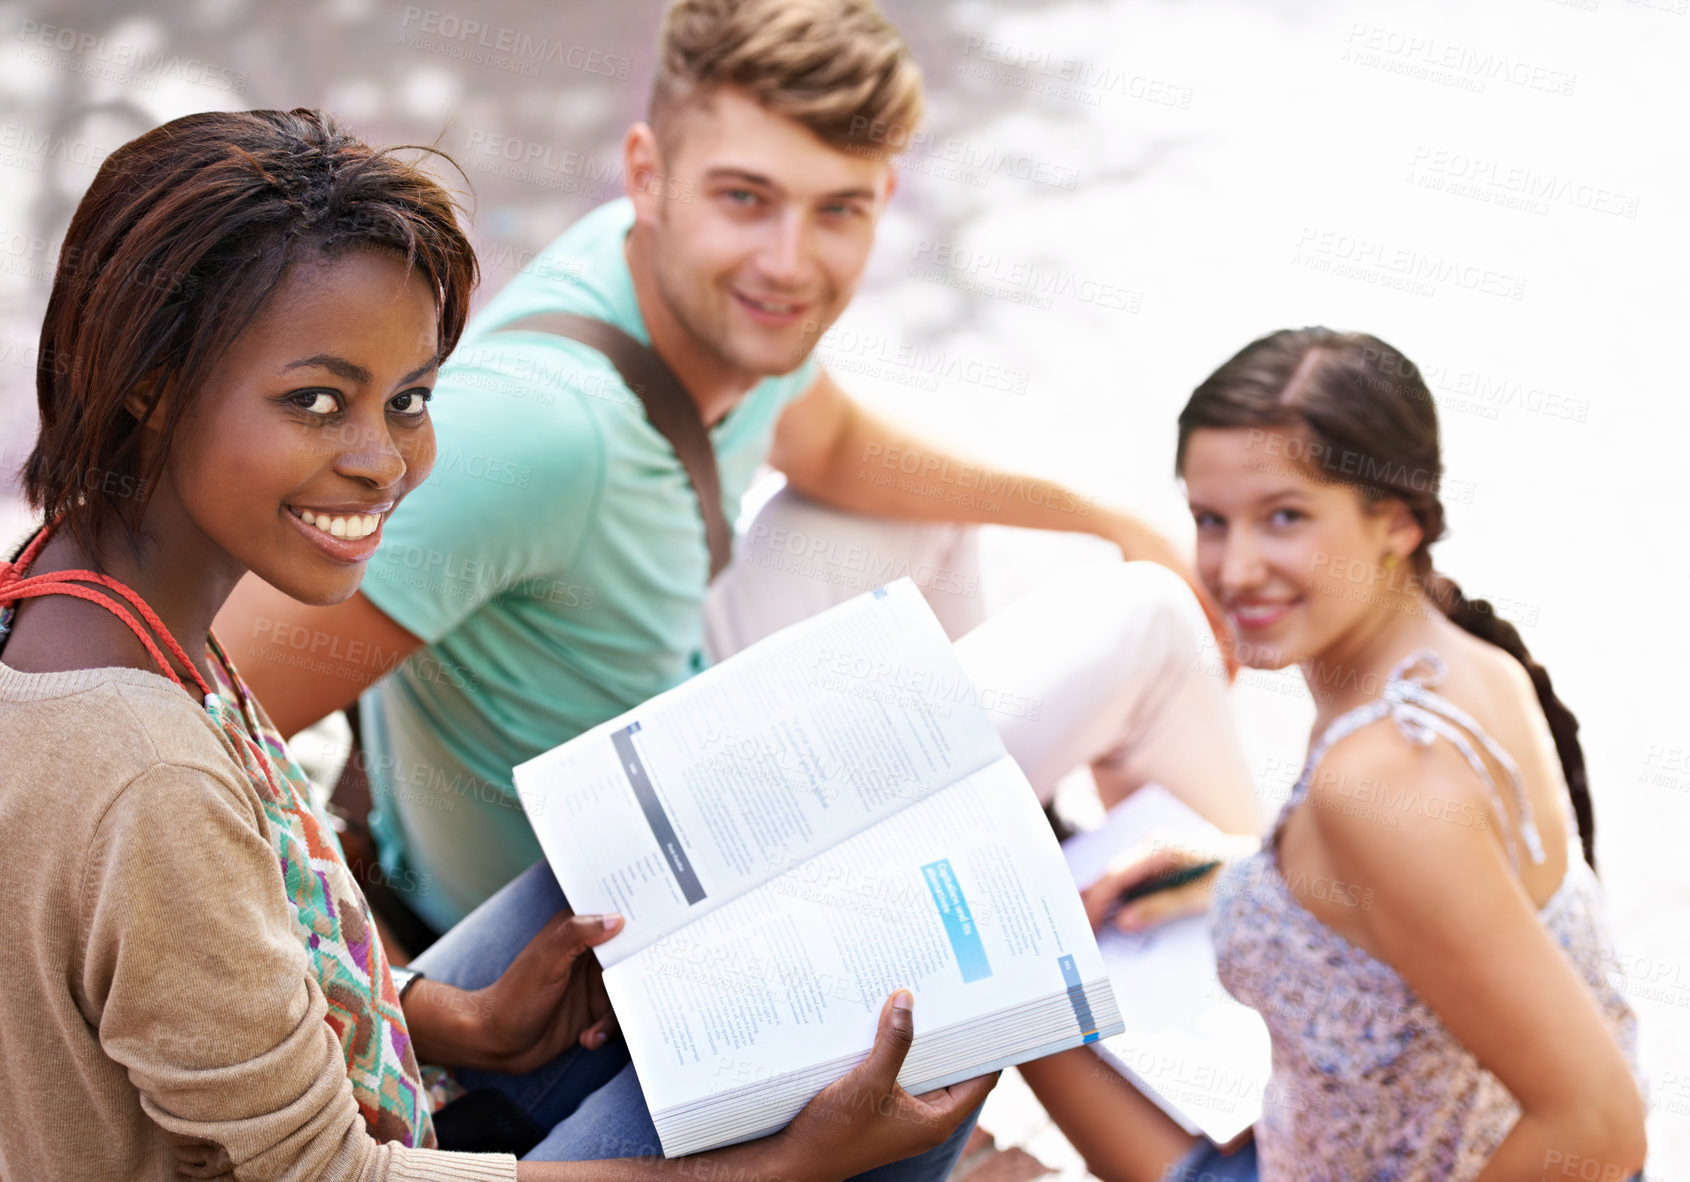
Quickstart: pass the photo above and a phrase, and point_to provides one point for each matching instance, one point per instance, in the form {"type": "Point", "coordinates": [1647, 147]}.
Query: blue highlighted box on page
{"type": "Point", "coordinates": [958, 920]}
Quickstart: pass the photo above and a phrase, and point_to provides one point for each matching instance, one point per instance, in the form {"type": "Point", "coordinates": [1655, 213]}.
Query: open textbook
{"type": "Point", "coordinates": [1202, 1057]}
{"type": "Point", "coordinates": [795, 833]}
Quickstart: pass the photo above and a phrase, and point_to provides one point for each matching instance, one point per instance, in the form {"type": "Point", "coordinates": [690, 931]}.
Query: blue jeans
{"type": "Point", "coordinates": [1206, 1163]}
{"type": "Point", "coordinates": [590, 1100]}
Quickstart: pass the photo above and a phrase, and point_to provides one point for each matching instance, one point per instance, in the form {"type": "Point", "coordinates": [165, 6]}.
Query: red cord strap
{"type": "Point", "coordinates": [15, 586]}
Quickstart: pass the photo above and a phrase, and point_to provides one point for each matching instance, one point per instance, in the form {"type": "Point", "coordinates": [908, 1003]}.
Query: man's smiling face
{"type": "Point", "coordinates": [761, 231]}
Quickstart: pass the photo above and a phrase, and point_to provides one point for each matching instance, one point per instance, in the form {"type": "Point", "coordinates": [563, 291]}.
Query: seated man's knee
{"type": "Point", "coordinates": [792, 525]}
{"type": "Point", "coordinates": [1148, 591]}
{"type": "Point", "coordinates": [1146, 612]}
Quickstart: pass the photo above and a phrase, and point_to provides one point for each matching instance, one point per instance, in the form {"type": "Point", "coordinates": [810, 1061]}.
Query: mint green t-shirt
{"type": "Point", "coordinates": [554, 565]}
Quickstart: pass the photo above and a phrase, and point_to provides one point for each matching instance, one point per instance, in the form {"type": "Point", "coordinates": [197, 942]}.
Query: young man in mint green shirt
{"type": "Point", "coordinates": [553, 569]}
{"type": "Point", "coordinates": [552, 572]}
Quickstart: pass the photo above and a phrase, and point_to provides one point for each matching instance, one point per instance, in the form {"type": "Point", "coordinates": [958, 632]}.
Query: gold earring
{"type": "Point", "coordinates": [1390, 562]}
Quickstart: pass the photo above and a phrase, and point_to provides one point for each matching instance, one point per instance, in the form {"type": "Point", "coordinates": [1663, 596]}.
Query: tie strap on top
{"type": "Point", "coordinates": [1421, 715]}
{"type": "Point", "coordinates": [16, 586]}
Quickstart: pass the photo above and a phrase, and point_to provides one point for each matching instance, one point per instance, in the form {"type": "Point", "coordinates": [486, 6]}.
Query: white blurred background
{"type": "Point", "coordinates": [1113, 196]}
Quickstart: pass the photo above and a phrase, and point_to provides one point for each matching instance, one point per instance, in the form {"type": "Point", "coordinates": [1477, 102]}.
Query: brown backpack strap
{"type": "Point", "coordinates": [668, 407]}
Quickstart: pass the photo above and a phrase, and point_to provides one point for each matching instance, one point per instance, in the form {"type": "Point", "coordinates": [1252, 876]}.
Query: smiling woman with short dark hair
{"type": "Point", "coordinates": [247, 315]}
{"type": "Point", "coordinates": [245, 325]}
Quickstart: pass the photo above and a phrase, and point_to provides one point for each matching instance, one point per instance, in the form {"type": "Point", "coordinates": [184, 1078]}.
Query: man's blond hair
{"type": "Point", "coordinates": [838, 67]}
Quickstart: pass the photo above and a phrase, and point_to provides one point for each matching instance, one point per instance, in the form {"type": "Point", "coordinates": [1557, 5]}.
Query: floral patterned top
{"type": "Point", "coordinates": [1366, 1081]}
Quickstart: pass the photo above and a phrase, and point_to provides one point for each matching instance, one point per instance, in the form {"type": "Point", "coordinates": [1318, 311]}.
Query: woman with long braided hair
{"type": "Point", "coordinates": [1421, 929]}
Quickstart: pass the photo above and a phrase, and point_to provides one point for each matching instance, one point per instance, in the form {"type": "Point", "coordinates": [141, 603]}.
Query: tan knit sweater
{"type": "Point", "coordinates": [156, 1012]}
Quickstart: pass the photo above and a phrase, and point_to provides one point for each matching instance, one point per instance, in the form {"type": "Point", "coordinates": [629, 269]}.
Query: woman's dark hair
{"type": "Point", "coordinates": [183, 235]}
{"type": "Point", "coordinates": [1364, 417]}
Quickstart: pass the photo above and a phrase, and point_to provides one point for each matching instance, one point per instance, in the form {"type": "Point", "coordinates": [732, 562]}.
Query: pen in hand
{"type": "Point", "coordinates": [1166, 881]}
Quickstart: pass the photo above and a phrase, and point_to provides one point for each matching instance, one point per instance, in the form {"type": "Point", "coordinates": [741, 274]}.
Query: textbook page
{"type": "Point", "coordinates": [1200, 1055]}
{"type": "Point", "coordinates": [962, 898]}
{"type": "Point", "coordinates": [779, 752]}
